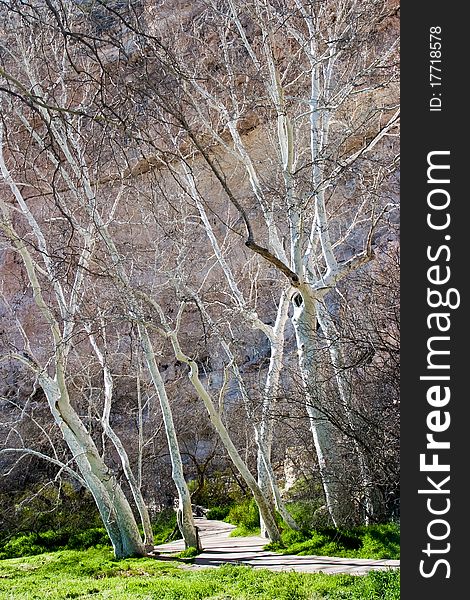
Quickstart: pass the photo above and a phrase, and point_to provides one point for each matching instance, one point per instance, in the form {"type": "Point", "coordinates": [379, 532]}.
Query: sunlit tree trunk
{"type": "Point", "coordinates": [111, 502]}
{"type": "Point", "coordinates": [265, 508]}
{"type": "Point", "coordinates": [108, 385]}
{"type": "Point", "coordinates": [185, 514]}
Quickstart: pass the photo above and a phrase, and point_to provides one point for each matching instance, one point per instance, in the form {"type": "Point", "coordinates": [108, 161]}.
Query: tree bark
{"type": "Point", "coordinates": [108, 385]}
{"type": "Point", "coordinates": [112, 504]}
{"type": "Point", "coordinates": [344, 389]}
{"type": "Point", "coordinates": [325, 434]}
{"type": "Point", "coordinates": [185, 521]}
{"type": "Point", "coordinates": [267, 480]}
{"type": "Point", "coordinates": [264, 506]}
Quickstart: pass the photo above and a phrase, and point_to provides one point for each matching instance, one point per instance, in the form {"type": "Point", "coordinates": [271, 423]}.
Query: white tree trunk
{"type": "Point", "coordinates": [325, 434]}
{"type": "Point", "coordinates": [264, 506]}
{"type": "Point", "coordinates": [118, 445]}
{"type": "Point", "coordinates": [264, 432]}
{"type": "Point", "coordinates": [344, 389]}
{"type": "Point", "coordinates": [275, 494]}
{"type": "Point", "coordinates": [185, 513]}
{"type": "Point", "coordinates": [267, 481]}
{"type": "Point", "coordinates": [112, 504]}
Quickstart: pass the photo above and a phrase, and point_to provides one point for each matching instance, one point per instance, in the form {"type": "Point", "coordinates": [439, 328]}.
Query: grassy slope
{"type": "Point", "coordinates": [374, 541]}
{"type": "Point", "coordinates": [94, 573]}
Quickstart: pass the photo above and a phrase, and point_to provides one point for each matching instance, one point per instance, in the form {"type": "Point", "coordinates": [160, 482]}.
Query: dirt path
{"type": "Point", "coordinates": [220, 548]}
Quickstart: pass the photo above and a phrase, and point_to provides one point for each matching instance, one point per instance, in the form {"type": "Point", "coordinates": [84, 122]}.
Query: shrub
{"type": "Point", "coordinates": [290, 537]}
{"type": "Point", "coordinates": [244, 514]}
{"type": "Point", "coordinates": [47, 508]}
{"type": "Point", "coordinates": [218, 513]}
{"type": "Point", "coordinates": [164, 525]}
{"type": "Point", "coordinates": [373, 541]}
{"type": "Point", "coordinates": [22, 545]}
{"type": "Point", "coordinates": [308, 514]}
{"type": "Point", "coordinates": [190, 552]}
{"type": "Point", "coordinates": [219, 489]}
{"type": "Point", "coordinates": [386, 584]}
{"type": "Point", "coordinates": [47, 541]}
{"type": "Point", "coordinates": [380, 539]}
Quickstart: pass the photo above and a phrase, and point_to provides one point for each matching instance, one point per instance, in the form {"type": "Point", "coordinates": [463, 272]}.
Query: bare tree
{"type": "Point", "coordinates": [60, 140]}
{"type": "Point", "coordinates": [275, 335]}
{"type": "Point", "coordinates": [288, 111]}
{"type": "Point", "coordinates": [110, 499]}
{"type": "Point", "coordinates": [318, 69]}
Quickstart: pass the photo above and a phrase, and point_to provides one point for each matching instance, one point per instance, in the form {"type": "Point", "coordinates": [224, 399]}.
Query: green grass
{"type": "Point", "coordinates": [244, 531]}
{"type": "Point", "coordinates": [245, 516]}
{"type": "Point", "coordinates": [373, 541]}
{"type": "Point", "coordinates": [47, 541]}
{"type": "Point", "coordinates": [95, 574]}
{"type": "Point", "coordinates": [69, 539]}
{"type": "Point", "coordinates": [190, 552]}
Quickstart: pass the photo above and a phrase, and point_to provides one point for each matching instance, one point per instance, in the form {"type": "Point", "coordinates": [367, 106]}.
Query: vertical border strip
{"type": "Point", "coordinates": [434, 292]}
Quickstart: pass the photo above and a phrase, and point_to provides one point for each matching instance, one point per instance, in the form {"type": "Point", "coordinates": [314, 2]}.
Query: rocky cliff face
{"type": "Point", "coordinates": [136, 159]}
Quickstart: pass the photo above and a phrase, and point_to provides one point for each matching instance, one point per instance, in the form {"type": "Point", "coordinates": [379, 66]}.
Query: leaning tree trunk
{"type": "Point", "coordinates": [266, 510]}
{"type": "Point", "coordinates": [264, 443]}
{"type": "Point", "coordinates": [267, 480]}
{"type": "Point", "coordinates": [185, 513]}
{"type": "Point", "coordinates": [264, 506]}
{"type": "Point", "coordinates": [112, 504]}
{"type": "Point", "coordinates": [135, 488]}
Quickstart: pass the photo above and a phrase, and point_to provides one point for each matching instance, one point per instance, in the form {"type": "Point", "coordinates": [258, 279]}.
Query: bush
{"type": "Point", "coordinates": [22, 545]}
{"type": "Point", "coordinates": [90, 538]}
{"type": "Point", "coordinates": [373, 541]}
{"type": "Point", "coordinates": [218, 513]}
{"type": "Point", "coordinates": [308, 514]}
{"type": "Point", "coordinates": [219, 489]}
{"type": "Point", "coordinates": [386, 584]}
{"type": "Point", "coordinates": [164, 525]}
{"type": "Point", "coordinates": [244, 514]}
{"type": "Point", "coordinates": [290, 537]}
{"type": "Point", "coordinates": [47, 541]}
{"type": "Point", "coordinates": [381, 539]}
{"type": "Point", "coordinates": [41, 509]}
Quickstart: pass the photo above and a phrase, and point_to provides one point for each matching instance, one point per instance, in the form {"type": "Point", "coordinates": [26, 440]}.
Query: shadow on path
{"type": "Point", "coordinates": [220, 548]}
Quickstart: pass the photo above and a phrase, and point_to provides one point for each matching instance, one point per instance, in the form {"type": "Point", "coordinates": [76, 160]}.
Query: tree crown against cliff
{"type": "Point", "coordinates": [308, 194]}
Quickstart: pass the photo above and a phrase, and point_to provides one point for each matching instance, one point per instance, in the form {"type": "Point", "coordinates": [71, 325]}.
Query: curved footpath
{"type": "Point", "coordinates": [219, 548]}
